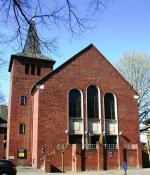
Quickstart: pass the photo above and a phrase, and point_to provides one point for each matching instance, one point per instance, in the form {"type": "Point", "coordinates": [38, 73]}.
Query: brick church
{"type": "Point", "coordinates": [84, 103]}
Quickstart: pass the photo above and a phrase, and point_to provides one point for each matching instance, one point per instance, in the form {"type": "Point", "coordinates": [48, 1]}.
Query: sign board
{"type": "Point", "coordinates": [124, 166]}
{"type": "Point", "coordinates": [10, 157]}
{"type": "Point", "coordinates": [110, 154]}
{"type": "Point", "coordinates": [42, 150]}
{"type": "Point", "coordinates": [21, 153]}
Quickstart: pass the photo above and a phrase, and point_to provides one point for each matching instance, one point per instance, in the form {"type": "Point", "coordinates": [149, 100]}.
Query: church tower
{"type": "Point", "coordinates": [26, 69]}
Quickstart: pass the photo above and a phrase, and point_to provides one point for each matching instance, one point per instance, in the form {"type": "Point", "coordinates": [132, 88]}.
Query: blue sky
{"type": "Point", "coordinates": [125, 25]}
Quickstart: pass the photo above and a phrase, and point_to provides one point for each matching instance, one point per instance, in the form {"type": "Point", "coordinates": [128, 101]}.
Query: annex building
{"type": "Point", "coordinates": [84, 110]}
{"type": "Point", "coordinates": [3, 130]}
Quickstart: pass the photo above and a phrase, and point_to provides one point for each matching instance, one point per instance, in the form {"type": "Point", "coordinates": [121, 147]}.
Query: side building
{"type": "Point", "coordinates": [3, 130]}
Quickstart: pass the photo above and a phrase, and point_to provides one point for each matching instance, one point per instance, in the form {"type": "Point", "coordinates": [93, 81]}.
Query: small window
{"type": "Point", "coordinates": [22, 100]}
{"type": "Point", "coordinates": [38, 70]}
{"type": "Point", "coordinates": [21, 128]}
{"type": "Point", "coordinates": [4, 140]}
{"type": "Point", "coordinates": [32, 69]}
{"type": "Point", "coordinates": [27, 69]}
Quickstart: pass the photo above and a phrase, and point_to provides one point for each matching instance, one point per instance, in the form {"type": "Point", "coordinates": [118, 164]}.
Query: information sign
{"type": "Point", "coordinates": [124, 166]}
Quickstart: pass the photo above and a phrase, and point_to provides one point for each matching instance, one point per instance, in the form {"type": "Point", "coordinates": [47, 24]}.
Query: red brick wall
{"type": "Point", "coordinates": [131, 158]}
{"type": "Point", "coordinates": [91, 160]}
{"type": "Point", "coordinates": [112, 159]}
{"type": "Point", "coordinates": [54, 162]}
{"type": "Point", "coordinates": [86, 160]}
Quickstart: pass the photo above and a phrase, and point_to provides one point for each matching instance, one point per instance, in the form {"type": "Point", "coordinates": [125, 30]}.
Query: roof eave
{"type": "Point", "coordinates": [21, 56]}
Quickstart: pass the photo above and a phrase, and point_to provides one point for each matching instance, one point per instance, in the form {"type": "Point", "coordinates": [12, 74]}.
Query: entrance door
{"type": "Point", "coordinates": [20, 162]}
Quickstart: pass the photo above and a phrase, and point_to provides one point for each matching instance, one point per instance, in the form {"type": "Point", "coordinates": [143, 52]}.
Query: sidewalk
{"type": "Point", "coordinates": [32, 171]}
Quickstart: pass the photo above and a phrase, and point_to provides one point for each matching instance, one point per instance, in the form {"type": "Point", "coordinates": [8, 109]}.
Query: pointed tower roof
{"type": "Point", "coordinates": [31, 48]}
{"type": "Point", "coordinates": [32, 42]}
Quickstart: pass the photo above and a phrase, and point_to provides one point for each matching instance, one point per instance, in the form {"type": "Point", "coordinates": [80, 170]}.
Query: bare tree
{"type": "Point", "coordinates": [50, 15]}
{"type": "Point", "coordinates": [3, 63]}
{"type": "Point", "coordinates": [2, 98]}
{"type": "Point", "coordinates": [135, 68]}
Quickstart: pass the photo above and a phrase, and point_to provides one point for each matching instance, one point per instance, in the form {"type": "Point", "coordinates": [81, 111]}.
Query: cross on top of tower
{"type": "Point", "coordinates": [32, 44]}
{"type": "Point", "coordinates": [33, 14]}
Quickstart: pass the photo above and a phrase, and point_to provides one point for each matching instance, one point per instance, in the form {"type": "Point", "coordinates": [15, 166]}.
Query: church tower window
{"type": "Point", "coordinates": [21, 128]}
{"type": "Point", "coordinates": [38, 70]}
{"type": "Point", "coordinates": [33, 69]}
{"type": "Point", "coordinates": [27, 69]}
{"type": "Point", "coordinates": [22, 100]}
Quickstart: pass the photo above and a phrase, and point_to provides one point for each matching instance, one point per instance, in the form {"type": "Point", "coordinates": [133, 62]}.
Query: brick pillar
{"type": "Point", "coordinates": [47, 167]}
{"type": "Point", "coordinates": [120, 156]}
{"type": "Point", "coordinates": [73, 157]}
{"type": "Point", "coordinates": [139, 156]}
{"type": "Point", "coordinates": [76, 157]}
{"type": "Point", "coordinates": [100, 155]}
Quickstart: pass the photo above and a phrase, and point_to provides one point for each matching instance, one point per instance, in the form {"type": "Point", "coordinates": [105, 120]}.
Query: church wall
{"type": "Point", "coordinates": [89, 69]}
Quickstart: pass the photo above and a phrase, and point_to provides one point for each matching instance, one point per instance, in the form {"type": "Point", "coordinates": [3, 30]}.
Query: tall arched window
{"type": "Point", "coordinates": [74, 103]}
{"type": "Point", "coordinates": [109, 106]}
{"type": "Point", "coordinates": [92, 102]}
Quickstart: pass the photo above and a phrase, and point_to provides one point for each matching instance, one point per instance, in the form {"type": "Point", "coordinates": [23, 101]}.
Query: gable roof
{"type": "Point", "coordinates": [68, 62]}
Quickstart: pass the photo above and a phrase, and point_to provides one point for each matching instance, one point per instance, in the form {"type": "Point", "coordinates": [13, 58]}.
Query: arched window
{"type": "Point", "coordinates": [92, 102]}
{"type": "Point", "coordinates": [74, 103]}
{"type": "Point", "coordinates": [109, 106]}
